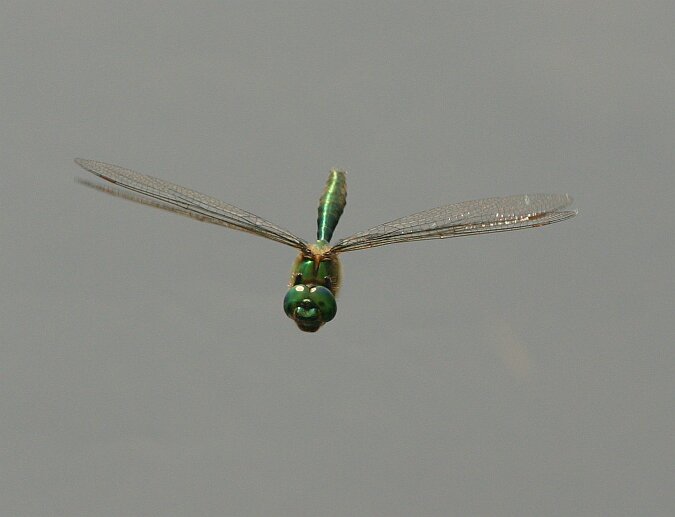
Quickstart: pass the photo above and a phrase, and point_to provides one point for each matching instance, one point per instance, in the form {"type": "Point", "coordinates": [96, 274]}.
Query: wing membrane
{"type": "Point", "coordinates": [184, 201]}
{"type": "Point", "coordinates": [490, 215]}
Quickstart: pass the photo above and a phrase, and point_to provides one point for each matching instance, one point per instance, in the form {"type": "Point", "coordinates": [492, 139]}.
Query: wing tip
{"type": "Point", "coordinates": [84, 163]}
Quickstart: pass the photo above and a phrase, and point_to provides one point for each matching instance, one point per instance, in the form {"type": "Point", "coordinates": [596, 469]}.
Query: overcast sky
{"type": "Point", "coordinates": [146, 364]}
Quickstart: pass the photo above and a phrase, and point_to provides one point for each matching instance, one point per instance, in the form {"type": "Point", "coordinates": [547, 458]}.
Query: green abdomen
{"type": "Point", "coordinates": [331, 205]}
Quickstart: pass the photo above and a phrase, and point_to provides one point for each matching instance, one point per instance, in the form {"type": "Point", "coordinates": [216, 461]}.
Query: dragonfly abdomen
{"type": "Point", "coordinates": [331, 205]}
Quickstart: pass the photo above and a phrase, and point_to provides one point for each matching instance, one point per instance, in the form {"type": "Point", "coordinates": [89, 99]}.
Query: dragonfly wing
{"type": "Point", "coordinates": [174, 198]}
{"type": "Point", "coordinates": [490, 215]}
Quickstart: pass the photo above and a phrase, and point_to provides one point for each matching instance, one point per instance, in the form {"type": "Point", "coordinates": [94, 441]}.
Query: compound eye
{"type": "Point", "coordinates": [325, 301]}
{"type": "Point", "coordinates": [294, 298]}
{"type": "Point", "coordinates": [309, 307]}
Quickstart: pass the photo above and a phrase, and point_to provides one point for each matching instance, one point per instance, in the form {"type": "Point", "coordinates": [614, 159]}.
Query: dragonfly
{"type": "Point", "coordinates": [315, 275]}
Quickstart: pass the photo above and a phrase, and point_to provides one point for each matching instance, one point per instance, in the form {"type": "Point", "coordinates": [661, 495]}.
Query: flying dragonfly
{"type": "Point", "coordinates": [315, 275]}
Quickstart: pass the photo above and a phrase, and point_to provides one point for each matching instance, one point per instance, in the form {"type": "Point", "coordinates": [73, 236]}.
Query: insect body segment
{"type": "Point", "coordinates": [331, 205]}
{"type": "Point", "coordinates": [310, 306]}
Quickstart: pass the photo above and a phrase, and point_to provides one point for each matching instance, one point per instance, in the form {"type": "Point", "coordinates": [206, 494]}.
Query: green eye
{"type": "Point", "coordinates": [325, 301]}
{"type": "Point", "coordinates": [309, 307]}
{"type": "Point", "coordinates": [294, 298]}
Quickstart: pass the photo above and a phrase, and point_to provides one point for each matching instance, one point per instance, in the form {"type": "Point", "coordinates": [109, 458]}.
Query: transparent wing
{"type": "Point", "coordinates": [495, 214]}
{"type": "Point", "coordinates": [184, 201]}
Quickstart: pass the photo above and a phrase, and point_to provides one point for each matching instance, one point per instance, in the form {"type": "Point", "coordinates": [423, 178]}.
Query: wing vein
{"type": "Point", "coordinates": [174, 198]}
{"type": "Point", "coordinates": [467, 218]}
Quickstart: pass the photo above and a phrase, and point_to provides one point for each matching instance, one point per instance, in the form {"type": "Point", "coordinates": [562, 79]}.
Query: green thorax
{"type": "Point", "coordinates": [331, 205]}
{"type": "Point", "coordinates": [324, 271]}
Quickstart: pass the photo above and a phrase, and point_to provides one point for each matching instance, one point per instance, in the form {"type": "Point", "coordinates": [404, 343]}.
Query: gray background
{"type": "Point", "coordinates": [146, 366]}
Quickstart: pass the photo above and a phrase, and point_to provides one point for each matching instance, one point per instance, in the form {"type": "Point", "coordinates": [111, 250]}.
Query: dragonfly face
{"type": "Point", "coordinates": [315, 279]}
{"type": "Point", "coordinates": [310, 306]}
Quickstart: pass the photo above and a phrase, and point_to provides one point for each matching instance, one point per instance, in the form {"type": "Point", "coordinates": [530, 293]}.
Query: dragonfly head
{"type": "Point", "coordinates": [309, 306]}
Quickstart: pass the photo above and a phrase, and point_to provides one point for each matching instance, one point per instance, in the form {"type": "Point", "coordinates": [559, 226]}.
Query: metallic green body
{"type": "Point", "coordinates": [324, 272]}
{"type": "Point", "coordinates": [315, 281]}
{"type": "Point", "coordinates": [331, 205]}
{"type": "Point", "coordinates": [315, 276]}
